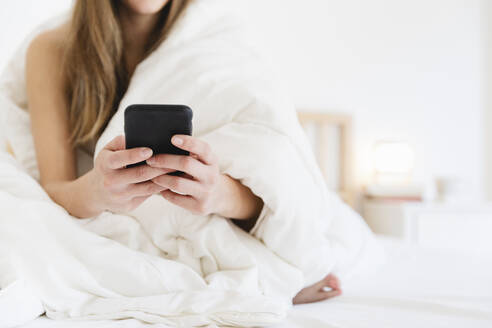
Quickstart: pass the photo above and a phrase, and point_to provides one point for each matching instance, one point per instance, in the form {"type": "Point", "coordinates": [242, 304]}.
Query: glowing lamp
{"type": "Point", "coordinates": [393, 162]}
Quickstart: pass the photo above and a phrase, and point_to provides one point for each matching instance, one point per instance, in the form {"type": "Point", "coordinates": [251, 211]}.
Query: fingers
{"type": "Point", "coordinates": [195, 146]}
{"type": "Point", "coordinates": [118, 143]}
{"type": "Point", "coordinates": [114, 155]}
{"type": "Point", "coordinates": [179, 184]}
{"type": "Point", "coordinates": [119, 159]}
{"type": "Point", "coordinates": [143, 189]}
{"type": "Point", "coordinates": [186, 164]}
{"type": "Point", "coordinates": [184, 201]}
{"type": "Point", "coordinates": [132, 175]}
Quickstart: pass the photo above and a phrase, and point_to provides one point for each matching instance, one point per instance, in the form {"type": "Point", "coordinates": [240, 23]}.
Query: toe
{"type": "Point", "coordinates": [332, 281]}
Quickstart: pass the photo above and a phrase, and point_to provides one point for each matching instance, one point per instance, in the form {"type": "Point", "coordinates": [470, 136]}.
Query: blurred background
{"type": "Point", "coordinates": [414, 77]}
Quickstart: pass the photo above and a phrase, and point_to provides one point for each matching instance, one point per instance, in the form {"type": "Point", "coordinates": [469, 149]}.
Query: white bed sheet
{"type": "Point", "coordinates": [418, 287]}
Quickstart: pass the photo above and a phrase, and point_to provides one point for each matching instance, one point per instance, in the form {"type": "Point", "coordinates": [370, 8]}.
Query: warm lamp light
{"type": "Point", "coordinates": [393, 162]}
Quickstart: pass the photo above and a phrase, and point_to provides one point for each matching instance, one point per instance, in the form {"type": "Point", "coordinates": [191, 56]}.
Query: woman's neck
{"type": "Point", "coordinates": [137, 31]}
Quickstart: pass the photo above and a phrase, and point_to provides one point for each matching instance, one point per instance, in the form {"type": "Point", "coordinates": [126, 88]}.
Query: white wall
{"type": "Point", "coordinates": [19, 17]}
{"type": "Point", "coordinates": [487, 92]}
{"type": "Point", "coordinates": [406, 70]}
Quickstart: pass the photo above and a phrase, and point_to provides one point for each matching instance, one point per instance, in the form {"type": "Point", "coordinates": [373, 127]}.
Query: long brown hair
{"type": "Point", "coordinates": [94, 63]}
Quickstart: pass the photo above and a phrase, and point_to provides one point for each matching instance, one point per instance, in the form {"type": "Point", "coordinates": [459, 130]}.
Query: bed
{"type": "Point", "coordinates": [417, 287]}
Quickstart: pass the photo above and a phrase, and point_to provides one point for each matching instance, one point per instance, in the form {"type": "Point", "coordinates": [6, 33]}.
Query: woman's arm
{"type": "Point", "coordinates": [204, 189]}
{"type": "Point", "coordinates": [48, 110]}
{"type": "Point", "coordinates": [244, 205]}
{"type": "Point", "coordinates": [49, 120]}
{"type": "Point", "coordinates": [109, 186]}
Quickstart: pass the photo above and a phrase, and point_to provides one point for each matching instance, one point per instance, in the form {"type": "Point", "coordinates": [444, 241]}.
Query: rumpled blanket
{"type": "Point", "coordinates": [160, 263]}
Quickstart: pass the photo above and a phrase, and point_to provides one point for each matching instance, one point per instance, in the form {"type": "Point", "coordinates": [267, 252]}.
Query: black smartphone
{"type": "Point", "coordinates": [153, 126]}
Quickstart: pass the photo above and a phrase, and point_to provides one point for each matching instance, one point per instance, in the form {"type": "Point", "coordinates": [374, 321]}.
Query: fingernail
{"type": "Point", "coordinates": [177, 141]}
{"type": "Point", "coordinates": [147, 152]}
{"type": "Point", "coordinates": [151, 161]}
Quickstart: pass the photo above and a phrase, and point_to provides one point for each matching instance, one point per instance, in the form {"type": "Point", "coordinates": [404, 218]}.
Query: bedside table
{"type": "Point", "coordinates": [443, 225]}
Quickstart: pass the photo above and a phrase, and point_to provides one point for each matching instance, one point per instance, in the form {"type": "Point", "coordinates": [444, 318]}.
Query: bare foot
{"type": "Point", "coordinates": [327, 288]}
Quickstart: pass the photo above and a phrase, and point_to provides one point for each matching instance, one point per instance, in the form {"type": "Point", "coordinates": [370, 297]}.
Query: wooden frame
{"type": "Point", "coordinates": [322, 122]}
{"type": "Point", "coordinates": [9, 149]}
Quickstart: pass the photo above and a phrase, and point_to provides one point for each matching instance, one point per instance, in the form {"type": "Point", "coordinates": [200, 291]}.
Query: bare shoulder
{"type": "Point", "coordinates": [46, 50]}
{"type": "Point", "coordinates": [45, 79]}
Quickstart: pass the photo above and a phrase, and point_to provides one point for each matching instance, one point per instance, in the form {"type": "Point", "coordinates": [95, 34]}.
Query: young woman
{"type": "Point", "coordinates": [76, 76]}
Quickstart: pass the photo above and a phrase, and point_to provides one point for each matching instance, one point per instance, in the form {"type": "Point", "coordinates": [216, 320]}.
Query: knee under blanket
{"type": "Point", "coordinates": [160, 263]}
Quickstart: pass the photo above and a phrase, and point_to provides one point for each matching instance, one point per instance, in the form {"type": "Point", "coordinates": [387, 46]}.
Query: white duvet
{"type": "Point", "coordinates": [161, 263]}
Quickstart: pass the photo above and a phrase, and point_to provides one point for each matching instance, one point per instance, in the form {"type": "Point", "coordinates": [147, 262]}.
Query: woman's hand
{"type": "Point", "coordinates": [202, 189]}
{"type": "Point", "coordinates": [117, 188]}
